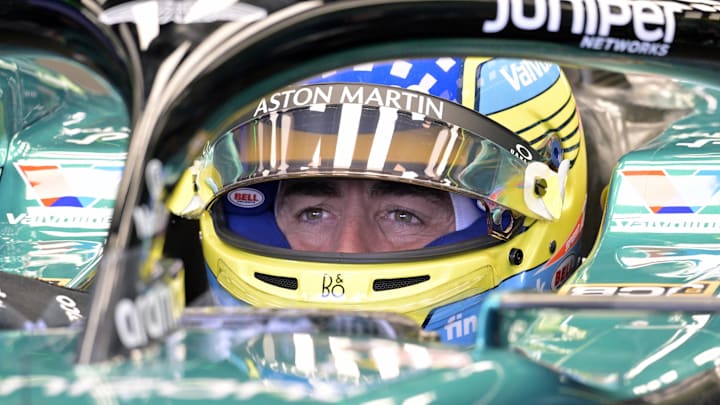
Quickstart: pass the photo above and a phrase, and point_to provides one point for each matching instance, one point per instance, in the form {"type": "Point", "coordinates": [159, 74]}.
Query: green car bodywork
{"type": "Point", "coordinates": [636, 323]}
{"type": "Point", "coordinates": [63, 146]}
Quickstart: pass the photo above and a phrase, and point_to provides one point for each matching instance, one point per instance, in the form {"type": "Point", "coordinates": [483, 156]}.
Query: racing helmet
{"type": "Point", "coordinates": [500, 137]}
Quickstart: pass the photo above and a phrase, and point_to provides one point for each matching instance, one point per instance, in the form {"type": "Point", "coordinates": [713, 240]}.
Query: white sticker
{"type": "Point", "coordinates": [246, 197]}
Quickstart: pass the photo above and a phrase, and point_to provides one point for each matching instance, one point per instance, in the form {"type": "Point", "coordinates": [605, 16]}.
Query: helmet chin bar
{"type": "Point", "coordinates": [544, 189]}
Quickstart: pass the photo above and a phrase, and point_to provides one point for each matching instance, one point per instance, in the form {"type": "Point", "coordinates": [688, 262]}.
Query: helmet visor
{"type": "Point", "coordinates": [372, 132]}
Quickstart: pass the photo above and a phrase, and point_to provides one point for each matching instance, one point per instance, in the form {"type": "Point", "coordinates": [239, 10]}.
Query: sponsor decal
{"type": "Point", "coordinates": [459, 326]}
{"type": "Point", "coordinates": [148, 317]}
{"type": "Point", "coordinates": [649, 199]}
{"type": "Point", "coordinates": [69, 194]}
{"type": "Point", "coordinates": [653, 23]}
{"type": "Point", "coordinates": [522, 152]}
{"type": "Point", "coordinates": [246, 197]}
{"type": "Point", "coordinates": [525, 73]}
{"type": "Point", "coordinates": [333, 286]}
{"type": "Point", "coordinates": [509, 82]}
{"type": "Point", "coordinates": [456, 323]}
{"type": "Point", "coordinates": [667, 224]}
{"type": "Point", "coordinates": [69, 307]}
{"type": "Point", "coordinates": [563, 271]}
{"type": "Point", "coordinates": [563, 262]}
{"type": "Point", "coordinates": [70, 184]}
{"type": "Point", "coordinates": [352, 94]}
{"type": "Point", "coordinates": [569, 243]}
{"type": "Point", "coordinates": [90, 218]}
{"type": "Point", "coordinates": [695, 288]}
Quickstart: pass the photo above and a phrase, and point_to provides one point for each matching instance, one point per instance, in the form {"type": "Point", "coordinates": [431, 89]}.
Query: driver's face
{"type": "Point", "coordinates": [356, 216]}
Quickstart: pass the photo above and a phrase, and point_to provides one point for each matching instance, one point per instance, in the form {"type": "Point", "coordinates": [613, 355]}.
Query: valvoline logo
{"type": "Point", "coordinates": [246, 197]}
{"type": "Point", "coordinates": [508, 82]}
{"type": "Point", "coordinates": [71, 184]}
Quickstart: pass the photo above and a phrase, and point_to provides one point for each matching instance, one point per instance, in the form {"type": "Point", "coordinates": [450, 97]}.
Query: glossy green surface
{"type": "Point", "coordinates": [63, 143]}
{"type": "Point", "coordinates": [224, 366]}
{"type": "Point", "coordinates": [539, 355]}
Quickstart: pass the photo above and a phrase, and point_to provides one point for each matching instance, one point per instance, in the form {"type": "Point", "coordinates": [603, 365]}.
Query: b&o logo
{"type": "Point", "coordinates": [332, 286]}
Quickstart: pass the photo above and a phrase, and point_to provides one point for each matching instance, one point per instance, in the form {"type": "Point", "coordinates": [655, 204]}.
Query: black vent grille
{"type": "Point", "coordinates": [384, 284]}
{"type": "Point", "coordinates": [289, 283]}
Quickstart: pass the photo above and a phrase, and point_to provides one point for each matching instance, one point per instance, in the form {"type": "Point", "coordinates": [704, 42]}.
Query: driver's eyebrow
{"type": "Point", "coordinates": [403, 189]}
{"type": "Point", "coordinates": [314, 188]}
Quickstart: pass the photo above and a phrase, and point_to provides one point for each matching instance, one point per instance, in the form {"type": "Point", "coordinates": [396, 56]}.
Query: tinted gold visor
{"type": "Point", "coordinates": [372, 132]}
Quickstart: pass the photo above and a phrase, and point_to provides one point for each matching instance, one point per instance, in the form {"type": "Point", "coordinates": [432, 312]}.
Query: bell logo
{"type": "Point", "coordinates": [246, 197]}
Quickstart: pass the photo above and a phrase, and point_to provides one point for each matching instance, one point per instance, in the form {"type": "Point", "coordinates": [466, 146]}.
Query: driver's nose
{"type": "Point", "coordinates": [354, 235]}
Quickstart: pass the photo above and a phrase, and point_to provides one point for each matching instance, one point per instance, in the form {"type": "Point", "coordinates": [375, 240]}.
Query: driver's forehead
{"type": "Point", "coordinates": [342, 187]}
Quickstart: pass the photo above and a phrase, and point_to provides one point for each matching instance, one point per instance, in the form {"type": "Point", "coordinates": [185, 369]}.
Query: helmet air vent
{"type": "Point", "coordinates": [289, 283]}
{"type": "Point", "coordinates": [384, 284]}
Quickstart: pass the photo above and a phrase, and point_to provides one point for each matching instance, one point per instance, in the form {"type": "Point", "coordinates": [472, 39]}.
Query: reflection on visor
{"type": "Point", "coordinates": [374, 140]}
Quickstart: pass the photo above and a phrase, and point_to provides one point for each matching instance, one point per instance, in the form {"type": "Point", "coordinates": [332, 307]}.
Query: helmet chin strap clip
{"type": "Point", "coordinates": [544, 189]}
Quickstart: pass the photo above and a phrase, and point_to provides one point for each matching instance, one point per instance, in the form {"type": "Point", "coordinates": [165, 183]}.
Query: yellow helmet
{"type": "Point", "coordinates": [501, 136]}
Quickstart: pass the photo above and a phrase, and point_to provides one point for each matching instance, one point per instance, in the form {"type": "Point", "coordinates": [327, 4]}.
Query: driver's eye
{"type": "Point", "coordinates": [311, 214]}
{"type": "Point", "coordinates": [405, 217]}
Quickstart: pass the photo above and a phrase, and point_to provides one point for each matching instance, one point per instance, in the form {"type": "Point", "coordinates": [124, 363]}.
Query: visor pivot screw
{"type": "Point", "coordinates": [540, 187]}
{"type": "Point", "coordinates": [516, 256]}
{"type": "Point", "coordinates": [553, 246]}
